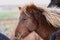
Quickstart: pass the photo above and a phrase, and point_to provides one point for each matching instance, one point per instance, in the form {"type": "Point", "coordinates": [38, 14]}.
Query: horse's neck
{"type": "Point", "coordinates": [44, 29]}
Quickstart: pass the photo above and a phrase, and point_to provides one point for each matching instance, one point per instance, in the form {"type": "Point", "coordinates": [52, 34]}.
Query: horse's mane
{"type": "Point", "coordinates": [52, 15]}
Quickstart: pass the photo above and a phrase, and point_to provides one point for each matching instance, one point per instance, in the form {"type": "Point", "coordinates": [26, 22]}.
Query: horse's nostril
{"type": "Point", "coordinates": [15, 35]}
{"type": "Point", "coordinates": [18, 36]}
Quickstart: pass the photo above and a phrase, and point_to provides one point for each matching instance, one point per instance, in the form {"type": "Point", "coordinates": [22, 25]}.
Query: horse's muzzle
{"type": "Point", "coordinates": [18, 36]}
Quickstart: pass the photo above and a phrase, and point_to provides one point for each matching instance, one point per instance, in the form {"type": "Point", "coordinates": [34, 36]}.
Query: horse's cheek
{"type": "Point", "coordinates": [31, 25]}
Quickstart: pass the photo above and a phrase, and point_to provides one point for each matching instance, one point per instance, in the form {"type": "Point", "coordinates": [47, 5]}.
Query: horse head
{"type": "Point", "coordinates": [28, 20]}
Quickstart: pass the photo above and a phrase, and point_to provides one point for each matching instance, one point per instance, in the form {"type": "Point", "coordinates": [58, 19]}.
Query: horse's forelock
{"type": "Point", "coordinates": [30, 8]}
{"type": "Point", "coordinates": [33, 11]}
{"type": "Point", "coordinates": [34, 7]}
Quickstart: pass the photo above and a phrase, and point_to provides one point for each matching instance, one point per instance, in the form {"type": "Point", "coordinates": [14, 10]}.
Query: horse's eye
{"type": "Point", "coordinates": [24, 19]}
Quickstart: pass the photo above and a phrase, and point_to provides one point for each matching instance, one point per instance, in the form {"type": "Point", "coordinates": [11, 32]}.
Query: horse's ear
{"type": "Point", "coordinates": [19, 8]}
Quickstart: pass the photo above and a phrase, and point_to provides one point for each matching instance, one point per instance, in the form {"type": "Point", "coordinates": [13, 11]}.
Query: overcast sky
{"type": "Point", "coordinates": [22, 2]}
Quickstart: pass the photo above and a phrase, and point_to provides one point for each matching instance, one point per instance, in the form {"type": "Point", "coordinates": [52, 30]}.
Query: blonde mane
{"type": "Point", "coordinates": [52, 15]}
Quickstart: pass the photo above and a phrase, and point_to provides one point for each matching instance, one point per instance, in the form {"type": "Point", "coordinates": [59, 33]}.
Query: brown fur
{"type": "Point", "coordinates": [33, 19]}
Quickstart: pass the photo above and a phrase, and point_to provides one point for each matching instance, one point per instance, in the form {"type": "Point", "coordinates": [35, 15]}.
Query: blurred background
{"type": "Point", "coordinates": [9, 13]}
{"type": "Point", "coordinates": [8, 19]}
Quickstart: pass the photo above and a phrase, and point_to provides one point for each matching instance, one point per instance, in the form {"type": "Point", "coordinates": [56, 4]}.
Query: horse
{"type": "Point", "coordinates": [54, 3]}
{"type": "Point", "coordinates": [33, 18]}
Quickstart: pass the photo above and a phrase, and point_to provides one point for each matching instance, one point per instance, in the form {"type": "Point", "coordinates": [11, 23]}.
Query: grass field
{"type": "Point", "coordinates": [4, 15]}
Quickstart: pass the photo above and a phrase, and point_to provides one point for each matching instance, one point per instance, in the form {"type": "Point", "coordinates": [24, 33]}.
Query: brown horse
{"type": "Point", "coordinates": [32, 18]}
